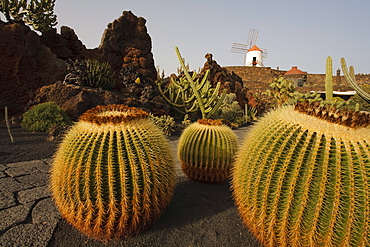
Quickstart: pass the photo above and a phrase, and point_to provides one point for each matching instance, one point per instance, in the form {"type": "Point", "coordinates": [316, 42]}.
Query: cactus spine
{"type": "Point", "coordinates": [206, 151]}
{"type": "Point", "coordinates": [302, 180]}
{"type": "Point", "coordinates": [350, 77]}
{"type": "Point", "coordinates": [329, 79]}
{"type": "Point", "coordinates": [113, 174]}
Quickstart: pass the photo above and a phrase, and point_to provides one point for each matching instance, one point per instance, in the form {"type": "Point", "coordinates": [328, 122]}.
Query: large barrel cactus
{"type": "Point", "coordinates": [113, 173]}
{"type": "Point", "coordinates": [302, 177]}
{"type": "Point", "coordinates": [206, 151]}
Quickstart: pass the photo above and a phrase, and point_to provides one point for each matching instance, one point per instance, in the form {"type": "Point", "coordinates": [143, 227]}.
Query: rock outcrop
{"type": "Point", "coordinates": [126, 44]}
{"type": "Point", "coordinates": [25, 65]}
{"type": "Point", "coordinates": [75, 100]}
{"type": "Point", "coordinates": [65, 45]}
{"type": "Point", "coordinates": [229, 80]}
{"type": "Point", "coordinates": [29, 61]}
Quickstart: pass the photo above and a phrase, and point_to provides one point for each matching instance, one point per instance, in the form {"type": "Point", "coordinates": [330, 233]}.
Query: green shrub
{"type": "Point", "coordinates": [42, 116]}
{"type": "Point", "coordinates": [230, 110]}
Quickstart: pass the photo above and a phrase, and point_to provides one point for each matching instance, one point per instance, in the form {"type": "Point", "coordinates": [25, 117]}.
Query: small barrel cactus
{"type": "Point", "coordinates": [206, 151]}
{"type": "Point", "coordinates": [113, 173]}
{"type": "Point", "coordinates": [302, 177]}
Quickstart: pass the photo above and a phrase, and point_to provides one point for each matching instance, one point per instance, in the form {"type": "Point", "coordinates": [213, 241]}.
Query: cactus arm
{"type": "Point", "coordinates": [167, 98]}
{"type": "Point", "coordinates": [194, 107]}
{"type": "Point", "coordinates": [192, 84]}
{"type": "Point", "coordinates": [214, 95]}
{"type": "Point", "coordinates": [205, 77]}
{"type": "Point", "coordinates": [218, 105]}
{"type": "Point", "coordinates": [352, 81]}
{"type": "Point", "coordinates": [352, 72]}
{"type": "Point", "coordinates": [329, 79]}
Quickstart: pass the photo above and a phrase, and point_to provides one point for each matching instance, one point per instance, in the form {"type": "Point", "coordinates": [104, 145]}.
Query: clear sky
{"type": "Point", "coordinates": [295, 32]}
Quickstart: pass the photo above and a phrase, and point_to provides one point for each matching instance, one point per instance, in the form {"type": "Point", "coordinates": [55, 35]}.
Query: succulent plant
{"type": "Point", "coordinates": [206, 151]}
{"type": "Point", "coordinates": [302, 177]}
{"type": "Point", "coordinates": [113, 174]}
{"type": "Point", "coordinates": [91, 73]}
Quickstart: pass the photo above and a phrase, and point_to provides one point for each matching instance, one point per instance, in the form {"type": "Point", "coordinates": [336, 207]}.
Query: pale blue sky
{"type": "Point", "coordinates": [294, 32]}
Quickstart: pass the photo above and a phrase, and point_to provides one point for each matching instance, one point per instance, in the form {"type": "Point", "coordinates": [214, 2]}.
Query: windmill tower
{"type": "Point", "coordinates": [253, 55]}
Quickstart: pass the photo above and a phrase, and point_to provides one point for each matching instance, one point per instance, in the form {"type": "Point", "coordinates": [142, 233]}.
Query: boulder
{"type": "Point", "coordinates": [25, 65]}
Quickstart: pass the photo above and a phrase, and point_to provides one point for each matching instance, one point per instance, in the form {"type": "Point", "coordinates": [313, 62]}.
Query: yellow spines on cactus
{"type": "Point", "coordinates": [113, 173]}
{"type": "Point", "coordinates": [206, 151]}
{"type": "Point", "coordinates": [304, 179]}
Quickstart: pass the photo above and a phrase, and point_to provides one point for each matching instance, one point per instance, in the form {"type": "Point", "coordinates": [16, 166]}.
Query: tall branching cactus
{"type": "Point", "coordinates": [192, 95]}
{"type": "Point", "coordinates": [329, 79]}
{"type": "Point", "coordinates": [350, 77]}
{"type": "Point", "coordinates": [206, 151]}
{"type": "Point", "coordinates": [113, 174]}
{"type": "Point", "coordinates": [302, 177]}
{"type": "Point", "coordinates": [37, 13]}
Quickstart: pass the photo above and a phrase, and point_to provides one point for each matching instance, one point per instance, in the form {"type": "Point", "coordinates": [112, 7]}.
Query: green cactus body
{"type": "Point", "coordinates": [301, 180]}
{"type": "Point", "coordinates": [206, 151]}
{"type": "Point", "coordinates": [329, 79]}
{"type": "Point", "coordinates": [113, 173]}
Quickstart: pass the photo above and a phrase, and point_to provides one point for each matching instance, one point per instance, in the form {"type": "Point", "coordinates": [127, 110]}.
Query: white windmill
{"type": "Point", "coordinates": [253, 54]}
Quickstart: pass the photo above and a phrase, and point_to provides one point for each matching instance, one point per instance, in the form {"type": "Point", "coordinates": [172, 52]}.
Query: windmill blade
{"type": "Point", "coordinates": [264, 52]}
{"type": "Point", "coordinates": [252, 37]}
{"type": "Point", "coordinates": [239, 48]}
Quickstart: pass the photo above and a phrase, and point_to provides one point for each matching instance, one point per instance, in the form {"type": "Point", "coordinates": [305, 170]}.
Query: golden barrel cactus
{"type": "Point", "coordinates": [113, 173]}
{"type": "Point", "coordinates": [302, 177]}
{"type": "Point", "coordinates": [206, 151]}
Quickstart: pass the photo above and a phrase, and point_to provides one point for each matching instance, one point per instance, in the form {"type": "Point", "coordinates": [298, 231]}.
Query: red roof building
{"type": "Point", "coordinates": [294, 71]}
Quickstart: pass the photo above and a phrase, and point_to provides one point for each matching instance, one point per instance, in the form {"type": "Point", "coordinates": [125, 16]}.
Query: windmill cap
{"type": "Point", "coordinates": [255, 48]}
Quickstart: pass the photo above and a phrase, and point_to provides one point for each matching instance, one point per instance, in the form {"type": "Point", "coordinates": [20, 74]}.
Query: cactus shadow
{"type": "Point", "coordinates": [194, 202]}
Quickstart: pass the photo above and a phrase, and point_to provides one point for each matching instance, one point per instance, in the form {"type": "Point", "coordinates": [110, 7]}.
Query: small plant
{"type": "Point", "coordinates": [41, 117]}
{"type": "Point", "coordinates": [186, 121]}
{"type": "Point", "coordinates": [206, 151]}
{"type": "Point", "coordinates": [165, 123]}
{"type": "Point", "coordinates": [113, 174]}
{"type": "Point", "coordinates": [250, 113]}
{"type": "Point", "coordinates": [37, 13]}
{"type": "Point", "coordinates": [192, 94]}
{"type": "Point", "coordinates": [8, 125]}
{"type": "Point", "coordinates": [301, 177]}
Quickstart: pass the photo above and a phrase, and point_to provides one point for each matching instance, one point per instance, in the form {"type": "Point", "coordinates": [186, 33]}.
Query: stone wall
{"type": "Point", "coordinates": [256, 79]}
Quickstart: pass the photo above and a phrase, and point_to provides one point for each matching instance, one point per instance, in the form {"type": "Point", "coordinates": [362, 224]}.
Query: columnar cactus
{"type": "Point", "coordinates": [206, 151]}
{"type": "Point", "coordinates": [113, 173]}
{"type": "Point", "coordinates": [329, 79]}
{"type": "Point", "coordinates": [302, 177]}
{"type": "Point", "coordinates": [350, 77]}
